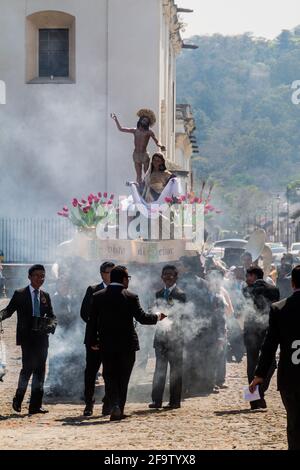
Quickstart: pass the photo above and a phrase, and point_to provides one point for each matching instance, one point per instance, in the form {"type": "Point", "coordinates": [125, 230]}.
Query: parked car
{"type": "Point", "coordinates": [233, 249]}
{"type": "Point", "coordinates": [274, 244]}
{"type": "Point", "coordinates": [277, 250]}
{"type": "Point", "coordinates": [295, 248]}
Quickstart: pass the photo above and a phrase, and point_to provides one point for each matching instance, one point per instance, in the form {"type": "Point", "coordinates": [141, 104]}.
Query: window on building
{"type": "Point", "coordinates": [50, 47]}
{"type": "Point", "coordinates": [54, 52]}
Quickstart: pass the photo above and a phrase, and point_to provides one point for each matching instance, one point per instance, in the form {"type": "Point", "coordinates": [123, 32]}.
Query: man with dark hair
{"type": "Point", "coordinates": [93, 357]}
{"type": "Point", "coordinates": [284, 331]}
{"type": "Point", "coordinates": [168, 342]}
{"type": "Point", "coordinates": [35, 321]}
{"type": "Point", "coordinates": [256, 324]}
{"type": "Point", "coordinates": [113, 333]}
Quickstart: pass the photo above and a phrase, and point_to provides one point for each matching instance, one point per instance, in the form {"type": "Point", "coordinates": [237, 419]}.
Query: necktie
{"type": "Point", "coordinates": [166, 294]}
{"type": "Point", "coordinates": [36, 304]}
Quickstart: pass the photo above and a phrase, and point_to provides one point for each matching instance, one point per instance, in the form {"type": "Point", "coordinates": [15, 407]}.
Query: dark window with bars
{"type": "Point", "coordinates": [54, 52]}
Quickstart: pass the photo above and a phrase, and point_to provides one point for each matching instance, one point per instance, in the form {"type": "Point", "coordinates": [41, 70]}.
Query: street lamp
{"type": "Point", "coordinates": [288, 219]}
{"type": "Point", "coordinates": [278, 226]}
{"type": "Point", "coordinates": [288, 192]}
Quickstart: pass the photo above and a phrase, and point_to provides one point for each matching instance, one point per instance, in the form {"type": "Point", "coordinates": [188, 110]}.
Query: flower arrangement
{"type": "Point", "coordinates": [87, 213]}
{"type": "Point", "coordinates": [191, 198]}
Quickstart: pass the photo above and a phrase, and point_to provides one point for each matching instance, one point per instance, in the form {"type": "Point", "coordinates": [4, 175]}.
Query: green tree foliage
{"type": "Point", "coordinates": [247, 126]}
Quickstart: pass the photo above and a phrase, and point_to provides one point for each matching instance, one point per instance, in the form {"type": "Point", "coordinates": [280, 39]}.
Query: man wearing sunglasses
{"type": "Point", "coordinates": [93, 357]}
{"type": "Point", "coordinates": [112, 317]}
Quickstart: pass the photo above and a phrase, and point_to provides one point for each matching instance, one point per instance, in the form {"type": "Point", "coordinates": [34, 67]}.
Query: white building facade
{"type": "Point", "coordinates": [67, 64]}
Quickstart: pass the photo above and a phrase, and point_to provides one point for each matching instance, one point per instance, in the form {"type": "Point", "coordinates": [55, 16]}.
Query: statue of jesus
{"type": "Point", "coordinates": [142, 134]}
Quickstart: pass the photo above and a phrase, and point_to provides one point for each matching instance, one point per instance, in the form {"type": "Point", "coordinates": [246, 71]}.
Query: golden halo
{"type": "Point", "coordinates": [148, 114]}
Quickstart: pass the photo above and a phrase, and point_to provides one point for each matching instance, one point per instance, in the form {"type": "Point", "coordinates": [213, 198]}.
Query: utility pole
{"type": "Point", "coordinates": [278, 225]}
{"type": "Point", "coordinates": [287, 219]}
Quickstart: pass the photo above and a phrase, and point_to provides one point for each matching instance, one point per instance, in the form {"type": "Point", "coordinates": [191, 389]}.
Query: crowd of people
{"type": "Point", "coordinates": [205, 315]}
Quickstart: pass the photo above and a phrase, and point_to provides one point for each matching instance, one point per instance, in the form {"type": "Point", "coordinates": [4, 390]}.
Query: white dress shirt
{"type": "Point", "coordinates": [171, 288]}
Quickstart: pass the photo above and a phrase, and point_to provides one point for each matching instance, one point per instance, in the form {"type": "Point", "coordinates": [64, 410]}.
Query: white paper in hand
{"type": "Point", "coordinates": [248, 396]}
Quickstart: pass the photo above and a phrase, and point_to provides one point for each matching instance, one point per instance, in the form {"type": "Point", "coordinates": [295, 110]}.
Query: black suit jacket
{"type": "Point", "coordinates": [165, 338]}
{"type": "Point", "coordinates": [284, 330]}
{"type": "Point", "coordinates": [86, 308]}
{"type": "Point", "coordinates": [112, 320]}
{"type": "Point", "coordinates": [21, 303]}
{"type": "Point", "coordinates": [263, 295]}
{"type": "Point", "coordinates": [176, 294]}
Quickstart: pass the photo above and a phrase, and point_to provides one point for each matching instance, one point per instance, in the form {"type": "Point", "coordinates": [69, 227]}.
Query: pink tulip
{"type": "Point", "coordinates": [65, 209]}
{"type": "Point", "coordinates": [183, 198]}
{"type": "Point", "coordinates": [83, 201]}
{"type": "Point", "coordinates": [90, 199]}
{"type": "Point", "coordinates": [86, 209]}
{"type": "Point", "coordinates": [168, 199]}
{"type": "Point", "coordinates": [100, 195]}
{"type": "Point", "coordinates": [105, 195]}
{"type": "Point", "coordinates": [109, 203]}
{"type": "Point", "coordinates": [96, 199]}
{"type": "Point", "coordinates": [75, 202]}
{"type": "Point", "coordinates": [112, 197]}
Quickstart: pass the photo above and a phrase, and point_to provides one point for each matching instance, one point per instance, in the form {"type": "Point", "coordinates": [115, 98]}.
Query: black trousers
{"type": "Point", "coordinates": [291, 401]}
{"type": "Point", "coordinates": [253, 343]}
{"type": "Point", "coordinates": [118, 367]}
{"type": "Point", "coordinates": [200, 366]}
{"type": "Point", "coordinates": [163, 358]}
{"type": "Point", "coordinates": [221, 364]}
{"type": "Point", "coordinates": [93, 363]}
{"type": "Point", "coordinates": [34, 356]}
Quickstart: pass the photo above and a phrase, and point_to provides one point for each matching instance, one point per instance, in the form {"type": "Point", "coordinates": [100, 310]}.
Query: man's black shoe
{"type": "Point", "coordinates": [116, 414]}
{"type": "Point", "coordinates": [154, 404]}
{"type": "Point", "coordinates": [88, 410]}
{"type": "Point", "coordinates": [16, 405]}
{"type": "Point", "coordinates": [36, 411]}
{"type": "Point", "coordinates": [106, 410]}
{"type": "Point", "coordinates": [263, 403]}
{"type": "Point", "coordinates": [258, 404]}
{"type": "Point", "coordinates": [171, 406]}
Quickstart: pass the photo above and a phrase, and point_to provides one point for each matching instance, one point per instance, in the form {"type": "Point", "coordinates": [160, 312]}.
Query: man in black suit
{"type": "Point", "coordinates": [35, 321]}
{"type": "Point", "coordinates": [256, 324]}
{"type": "Point", "coordinates": [93, 357]}
{"type": "Point", "coordinates": [112, 332]}
{"type": "Point", "coordinates": [168, 342]}
{"type": "Point", "coordinates": [284, 331]}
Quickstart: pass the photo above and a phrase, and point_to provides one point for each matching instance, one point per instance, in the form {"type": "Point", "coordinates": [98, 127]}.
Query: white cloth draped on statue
{"type": "Point", "coordinates": [136, 202]}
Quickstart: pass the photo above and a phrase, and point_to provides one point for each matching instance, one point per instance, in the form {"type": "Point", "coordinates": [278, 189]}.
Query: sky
{"type": "Point", "coordinates": [264, 18]}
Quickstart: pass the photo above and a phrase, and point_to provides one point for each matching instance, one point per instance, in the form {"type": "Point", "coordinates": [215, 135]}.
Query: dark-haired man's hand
{"type": "Point", "coordinates": [162, 317]}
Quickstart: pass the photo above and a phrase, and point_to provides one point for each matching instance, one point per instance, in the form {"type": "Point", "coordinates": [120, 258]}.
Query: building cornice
{"type": "Point", "coordinates": [171, 15]}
